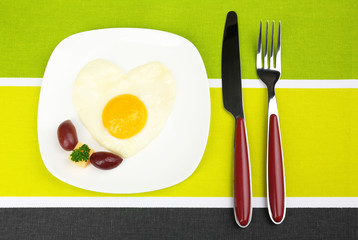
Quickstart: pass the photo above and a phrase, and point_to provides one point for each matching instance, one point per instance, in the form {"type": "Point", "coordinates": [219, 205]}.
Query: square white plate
{"type": "Point", "coordinates": [170, 158]}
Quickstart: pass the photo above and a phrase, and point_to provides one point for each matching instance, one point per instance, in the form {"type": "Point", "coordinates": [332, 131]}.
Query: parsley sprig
{"type": "Point", "coordinates": [80, 154]}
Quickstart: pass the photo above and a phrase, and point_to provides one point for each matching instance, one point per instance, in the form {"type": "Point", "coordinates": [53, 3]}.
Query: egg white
{"type": "Point", "coordinates": [100, 81]}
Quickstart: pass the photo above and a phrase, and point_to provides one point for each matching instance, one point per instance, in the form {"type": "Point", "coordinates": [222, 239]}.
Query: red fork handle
{"type": "Point", "coordinates": [242, 178]}
{"type": "Point", "coordinates": [276, 179]}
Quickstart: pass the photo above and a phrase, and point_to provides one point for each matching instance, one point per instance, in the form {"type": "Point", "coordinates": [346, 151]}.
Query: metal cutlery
{"type": "Point", "coordinates": [275, 173]}
{"type": "Point", "coordinates": [232, 97]}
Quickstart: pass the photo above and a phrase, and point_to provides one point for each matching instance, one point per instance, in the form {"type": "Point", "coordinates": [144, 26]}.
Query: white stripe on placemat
{"type": "Point", "coordinates": [20, 82]}
{"type": "Point", "coordinates": [256, 83]}
{"type": "Point", "coordinates": [169, 202]}
{"type": "Point", "coordinates": [216, 83]}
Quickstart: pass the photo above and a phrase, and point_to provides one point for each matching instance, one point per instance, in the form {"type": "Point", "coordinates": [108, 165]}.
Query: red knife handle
{"type": "Point", "coordinates": [242, 177]}
{"type": "Point", "coordinates": [276, 179]}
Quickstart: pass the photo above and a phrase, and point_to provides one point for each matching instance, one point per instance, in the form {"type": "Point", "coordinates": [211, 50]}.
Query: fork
{"type": "Point", "coordinates": [275, 173]}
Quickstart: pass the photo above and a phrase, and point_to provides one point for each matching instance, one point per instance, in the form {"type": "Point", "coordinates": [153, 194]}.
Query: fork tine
{"type": "Point", "coordinates": [271, 52]}
{"type": "Point", "coordinates": [259, 49]}
{"type": "Point", "coordinates": [278, 48]}
{"type": "Point", "coordinates": [265, 56]}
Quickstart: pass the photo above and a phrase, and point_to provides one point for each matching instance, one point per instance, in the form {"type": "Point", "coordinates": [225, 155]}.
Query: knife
{"type": "Point", "coordinates": [232, 97]}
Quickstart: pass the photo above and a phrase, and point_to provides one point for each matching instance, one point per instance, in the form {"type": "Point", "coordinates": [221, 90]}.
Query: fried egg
{"type": "Point", "coordinates": [124, 112]}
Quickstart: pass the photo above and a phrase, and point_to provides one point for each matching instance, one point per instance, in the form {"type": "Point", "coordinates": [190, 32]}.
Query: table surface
{"type": "Point", "coordinates": [319, 130]}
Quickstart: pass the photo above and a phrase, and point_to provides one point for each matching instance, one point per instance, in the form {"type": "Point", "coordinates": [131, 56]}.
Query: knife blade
{"type": "Point", "coordinates": [233, 103]}
{"type": "Point", "coordinates": [231, 70]}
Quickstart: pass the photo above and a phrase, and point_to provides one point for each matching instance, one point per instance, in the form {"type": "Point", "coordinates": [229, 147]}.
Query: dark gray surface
{"type": "Point", "coordinates": [171, 223]}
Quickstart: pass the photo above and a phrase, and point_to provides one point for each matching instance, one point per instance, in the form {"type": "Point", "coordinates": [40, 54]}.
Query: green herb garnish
{"type": "Point", "coordinates": [80, 154]}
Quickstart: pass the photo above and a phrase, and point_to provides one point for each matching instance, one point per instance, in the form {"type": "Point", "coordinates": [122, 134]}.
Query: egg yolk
{"type": "Point", "coordinates": [124, 116]}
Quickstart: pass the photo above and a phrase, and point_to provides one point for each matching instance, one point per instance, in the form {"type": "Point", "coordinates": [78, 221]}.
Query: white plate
{"type": "Point", "coordinates": [169, 159]}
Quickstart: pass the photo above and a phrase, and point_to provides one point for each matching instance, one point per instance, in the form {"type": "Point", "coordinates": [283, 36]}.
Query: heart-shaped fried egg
{"type": "Point", "coordinates": [124, 112]}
